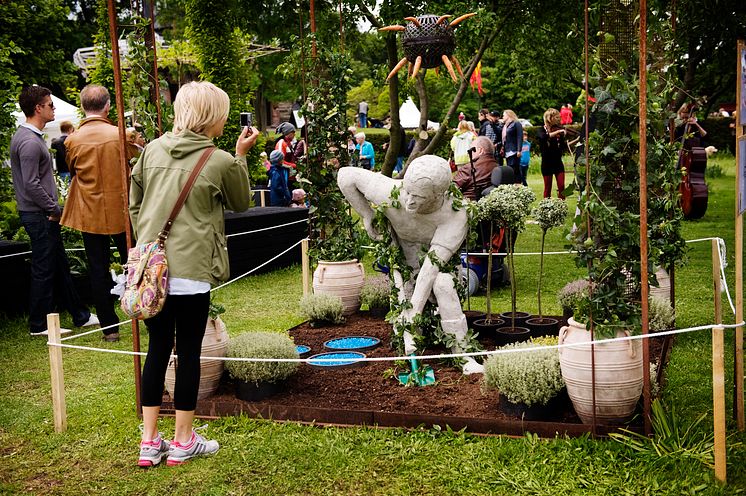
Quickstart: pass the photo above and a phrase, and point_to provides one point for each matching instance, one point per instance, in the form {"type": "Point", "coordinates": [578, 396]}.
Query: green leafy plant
{"type": "Point", "coordinates": [261, 345]}
{"type": "Point", "coordinates": [376, 293]}
{"type": "Point", "coordinates": [532, 377]}
{"type": "Point", "coordinates": [216, 309]}
{"type": "Point", "coordinates": [322, 308]}
{"type": "Point", "coordinates": [507, 207]}
{"type": "Point", "coordinates": [570, 294]}
{"type": "Point", "coordinates": [672, 440]}
{"type": "Point", "coordinates": [549, 213]}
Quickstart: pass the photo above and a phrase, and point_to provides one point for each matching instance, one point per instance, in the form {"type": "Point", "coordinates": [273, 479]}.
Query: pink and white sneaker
{"type": "Point", "coordinates": [153, 452]}
{"type": "Point", "coordinates": [197, 446]}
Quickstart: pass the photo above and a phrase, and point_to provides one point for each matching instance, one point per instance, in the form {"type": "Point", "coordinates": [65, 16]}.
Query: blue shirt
{"type": "Point", "coordinates": [525, 154]}
{"type": "Point", "coordinates": [367, 152]}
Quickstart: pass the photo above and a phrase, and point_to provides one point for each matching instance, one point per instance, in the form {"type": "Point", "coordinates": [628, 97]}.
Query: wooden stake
{"type": "Point", "coordinates": [59, 410]}
{"type": "Point", "coordinates": [262, 201]}
{"type": "Point", "coordinates": [718, 371]}
{"type": "Point", "coordinates": [305, 264]}
{"type": "Point", "coordinates": [738, 405]}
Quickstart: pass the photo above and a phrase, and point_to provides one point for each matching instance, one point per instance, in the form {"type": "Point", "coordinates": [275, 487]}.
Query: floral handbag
{"type": "Point", "coordinates": [146, 271]}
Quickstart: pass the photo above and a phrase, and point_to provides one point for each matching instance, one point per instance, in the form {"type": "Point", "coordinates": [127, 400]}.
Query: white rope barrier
{"type": "Point", "coordinates": [423, 357]}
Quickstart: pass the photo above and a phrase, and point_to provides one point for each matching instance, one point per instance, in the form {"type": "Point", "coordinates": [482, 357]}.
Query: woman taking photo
{"type": "Point", "coordinates": [196, 252]}
{"type": "Point", "coordinates": [551, 138]}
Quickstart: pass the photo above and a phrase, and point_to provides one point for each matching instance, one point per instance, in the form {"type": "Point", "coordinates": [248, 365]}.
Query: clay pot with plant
{"type": "Point", "coordinates": [549, 213]}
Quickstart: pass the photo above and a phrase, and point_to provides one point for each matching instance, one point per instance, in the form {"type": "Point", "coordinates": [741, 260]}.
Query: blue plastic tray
{"type": "Point", "coordinates": [352, 343]}
{"type": "Point", "coordinates": [336, 359]}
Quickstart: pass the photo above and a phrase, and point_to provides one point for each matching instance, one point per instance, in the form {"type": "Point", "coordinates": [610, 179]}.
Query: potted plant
{"type": "Point", "coordinates": [322, 309]}
{"type": "Point", "coordinates": [661, 314]}
{"type": "Point", "coordinates": [607, 241]}
{"type": "Point", "coordinates": [506, 207]}
{"type": "Point", "coordinates": [570, 294]}
{"type": "Point", "coordinates": [257, 380]}
{"type": "Point", "coordinates": [528, 381]}
{"type": "Point", "coordinates": [376, 295]}
{"type": "Point", "coordinates": [549, 213]}
{"type": "Point", "coordinates": [336, 238]}
{"type": "Point", "coordinates": [214, 344]}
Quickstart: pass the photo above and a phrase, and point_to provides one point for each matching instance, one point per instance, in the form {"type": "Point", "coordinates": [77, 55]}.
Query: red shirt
{"type": "Point", "coordinates": [565, 116]}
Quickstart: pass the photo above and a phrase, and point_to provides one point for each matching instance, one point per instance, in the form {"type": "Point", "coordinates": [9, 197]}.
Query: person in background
{"type": "Point", "coordinates": [279, 194]}
{"type": "Point", "coordinates": [39, 210]}
{"type": "Point", "coordinates": [474, 178]}
{"type": "Point", "coordinates": [461, 116]}
{"type": "Point", "coordinates": [525, 155]}
{"type": "Point", "coordinates": [512, 139]}
{"type": "Point", "coordinates": [366, 156]}
{"type": "Point", "coordinates": [551, 138]}
{"type": "Point", "coordinates": [97, 203]}
{"type": "Point", "coordinates": [472, 128]}
{"type": "Point", "coordinates": [566, 114]}
{"type": "Point", "coordinates": [299, 199]}
{"type": "Point", "coordinates": [135, 141]}
{"type": "Point", "coordinates": [688, 131]}
{"type": "Point", "coordinates": [460, 144]}
{"type": "Point", "coordinates": [286, 145]}
{"type": "Point", "coordinates": [362, 113]}
{"type": "Point", "coordinates": [58, 145]}
{"type": "Point", "coordinates": [485, 125]}
{"type": "Point", "coordinates": [265, 161]}
{"type": "Point", "coordinates": [196, 251]}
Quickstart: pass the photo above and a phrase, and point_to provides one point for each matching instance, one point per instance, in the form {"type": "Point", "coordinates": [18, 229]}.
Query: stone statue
{"type": "Point", "coordinates": [425, 221]}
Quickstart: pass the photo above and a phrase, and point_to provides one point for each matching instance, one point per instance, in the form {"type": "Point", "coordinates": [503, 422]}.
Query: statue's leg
{"type": "Point", "coordinates": [409, 345]}
{"type": "Point", "coordinates": [453, 320]}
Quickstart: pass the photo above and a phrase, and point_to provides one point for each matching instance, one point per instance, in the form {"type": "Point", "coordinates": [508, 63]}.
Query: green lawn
{"type": "Point", "coordinates": [98, 452]}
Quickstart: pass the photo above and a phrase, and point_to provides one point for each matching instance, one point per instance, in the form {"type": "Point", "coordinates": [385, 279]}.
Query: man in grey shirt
{"type": "Point", "coordinates": [362, 113]}
{"type": "Point", "coordinates": [36, 200]}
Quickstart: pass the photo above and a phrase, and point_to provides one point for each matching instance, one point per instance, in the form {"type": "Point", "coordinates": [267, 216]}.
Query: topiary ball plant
{"type": "Point", "coordinates": [261, 345]}
{"type": "Point", "coordinates": [549, 213]}
{"type": "Point", "coordinates": [321, 309]}
{"type": "Point", "coordinates": [531, 378]}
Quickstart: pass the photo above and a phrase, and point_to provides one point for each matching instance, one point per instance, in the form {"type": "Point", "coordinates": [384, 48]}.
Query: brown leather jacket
{"type": "Point", "coordinates": [97, 201]}
{"type": "Point", "coordinates": [483, 166]}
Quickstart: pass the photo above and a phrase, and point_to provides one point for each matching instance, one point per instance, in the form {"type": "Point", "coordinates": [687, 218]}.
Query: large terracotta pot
{"type": "Point", "coordinates": [343, 279]}
{"type": "Point", "coordinates": [215, 343]}
{"type": "Point", "coordinates": [618, 375]}
{"type": "Point", "coordinates": [664, 285]}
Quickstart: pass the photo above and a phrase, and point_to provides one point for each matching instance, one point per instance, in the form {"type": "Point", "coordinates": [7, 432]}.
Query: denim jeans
{"type": "Point", "coordinates": [363, 119]}
{"type": "Point", "coordinates": [50, 273]}
{"type": "Point", "coordinates": [97, 251]}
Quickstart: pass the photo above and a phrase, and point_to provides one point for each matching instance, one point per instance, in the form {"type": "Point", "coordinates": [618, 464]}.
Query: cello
{"type": "Point", "coordinates": [693, 161]}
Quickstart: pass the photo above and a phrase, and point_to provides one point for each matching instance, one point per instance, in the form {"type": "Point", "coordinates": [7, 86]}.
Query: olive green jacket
{"type": "Point", "coordinates": [196, 249]}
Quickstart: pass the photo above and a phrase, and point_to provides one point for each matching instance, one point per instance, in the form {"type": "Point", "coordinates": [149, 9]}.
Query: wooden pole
{"type": "Point", "coordinates": [738, 405]}
{"type": "Point", "coordinates": [306, 265]}
{"type": "Point", "coordinates": [59, 409]}
{"type": "Point", "coordinates": [262, 201]}
{"type": "Point", "coordinates": [125, 176]}
{"type": "Point", "coordinates": [718, 371]}
{"type": "Point", "coordinates": [644, 287]}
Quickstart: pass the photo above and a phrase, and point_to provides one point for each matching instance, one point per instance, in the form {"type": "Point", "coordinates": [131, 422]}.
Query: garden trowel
{"type": "Point", "coordinates": [420, 376]}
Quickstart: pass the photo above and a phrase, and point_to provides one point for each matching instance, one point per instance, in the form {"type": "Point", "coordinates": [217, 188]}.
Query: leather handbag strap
{"type": "Point", "coordinates": [163, 235]}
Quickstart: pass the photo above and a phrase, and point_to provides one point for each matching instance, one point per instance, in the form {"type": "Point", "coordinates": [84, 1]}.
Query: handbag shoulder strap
{"type": "Point", "coordinates": [163, 235]}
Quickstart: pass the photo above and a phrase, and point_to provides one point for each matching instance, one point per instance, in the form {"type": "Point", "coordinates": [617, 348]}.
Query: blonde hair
{"type": "Point", "coordinates": [199, 106]}
{"type": "Point", "coordinates": [551, 116]}
{"type": "Point", "coordinates": [463, 126]}
{"type": "Point", "coordinates": [471, 127]}
{"type": "Point", "coordinates": [511, 115]}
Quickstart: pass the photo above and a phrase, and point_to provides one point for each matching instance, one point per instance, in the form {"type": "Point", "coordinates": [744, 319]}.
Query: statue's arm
{"type": "Point", "coordinates": [362, 187]}
{"type": "Point", "coordinates": [427, 275]}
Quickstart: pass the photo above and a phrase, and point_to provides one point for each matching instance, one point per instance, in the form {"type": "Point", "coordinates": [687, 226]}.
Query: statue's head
{"type": "Point", "coordinates": [426, 182]}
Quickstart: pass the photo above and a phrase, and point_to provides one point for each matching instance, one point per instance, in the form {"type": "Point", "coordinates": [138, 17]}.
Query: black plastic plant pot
{"type": "Point", "coordinates": [545, 326]}
{"type": "Point", "coordinates": [250, 391]}
{"type": "Point", "coordinates": [472, 315]}
{"type": "Point", "coordinates": [379, 312]}
{"type": "Point", "coordinates": [508, 335]}
{"type": "Point", "coordinates": [533, 412]}
{"type": "Point", "coordinates": [520, 318]}
{"type": "Point", "coordinates": [487, 328]}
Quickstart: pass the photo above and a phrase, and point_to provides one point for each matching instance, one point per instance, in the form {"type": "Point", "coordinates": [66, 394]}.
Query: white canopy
{"type": "Point", "coordinates": [63, 111]}
{"type": "Point", "coordinates": [409, 116]}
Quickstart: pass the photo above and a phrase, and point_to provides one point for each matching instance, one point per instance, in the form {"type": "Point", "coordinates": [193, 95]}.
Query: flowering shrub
{"type": "Point", "coordinates": [660, 314]}
{"type": "Point", "coordinates": [261, 345]}
{"type": "Point", "coordinates": [531, 378]}
{"type": "Point", "coordinates": [322, 308]}
{"type": "Point", "coordinates": [507, 206]}
{"type": "Point", "coordinates": [376, 293]}
{"type": "Point", "coordinates": [550, 213]}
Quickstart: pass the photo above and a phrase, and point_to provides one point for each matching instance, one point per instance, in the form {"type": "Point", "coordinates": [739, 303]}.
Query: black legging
{"type": "Point", "coordinates": [184, 316]}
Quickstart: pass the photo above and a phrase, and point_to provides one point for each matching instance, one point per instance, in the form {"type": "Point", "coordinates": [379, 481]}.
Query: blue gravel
{"type": "Point", "coordinates": [335, 359]}
{"type": "Point", "coordinates": [302, 348]}
{"type": "Point", "coordinates": [352, 343]}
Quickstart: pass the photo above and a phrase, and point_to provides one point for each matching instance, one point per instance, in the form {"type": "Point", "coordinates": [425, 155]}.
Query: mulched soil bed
{"type": "Point", "coordinates": [369, 393]}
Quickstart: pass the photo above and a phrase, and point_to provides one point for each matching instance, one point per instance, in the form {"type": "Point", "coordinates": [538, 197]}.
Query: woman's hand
{"type": "Point", "coordinates": [246, 141]}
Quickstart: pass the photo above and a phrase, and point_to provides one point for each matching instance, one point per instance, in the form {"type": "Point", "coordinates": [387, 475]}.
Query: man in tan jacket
{"type": "Point", "coordinates": [97, 202]}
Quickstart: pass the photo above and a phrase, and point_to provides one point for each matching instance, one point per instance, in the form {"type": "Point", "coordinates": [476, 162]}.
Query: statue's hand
{"type": "Point", "coordinates": [407, 316]}
{"type": "Point", "coordinates": [372, 231]}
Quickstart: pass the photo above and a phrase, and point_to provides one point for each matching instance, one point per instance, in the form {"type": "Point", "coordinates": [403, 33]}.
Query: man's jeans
{"type": "Point", "coordinates": [363, 118]}
{"type": "Point", "coordinates": [50, 273]}
{"type": "Point", "coordinates": [97, 251]}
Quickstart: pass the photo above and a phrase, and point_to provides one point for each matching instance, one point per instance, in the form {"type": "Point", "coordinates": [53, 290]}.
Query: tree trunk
{"type": "Point", "coordinates": [395, 142]}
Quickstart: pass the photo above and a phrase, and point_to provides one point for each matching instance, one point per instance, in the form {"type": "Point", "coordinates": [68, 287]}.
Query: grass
{"type": "Point", "coordinates": [98, 451]}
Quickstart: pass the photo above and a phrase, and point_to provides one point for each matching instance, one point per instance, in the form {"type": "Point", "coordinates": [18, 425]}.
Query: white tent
{"type": "Point", "coordinates": [63, 111]}
{"type": "Point", "coordinates": [409, 116]}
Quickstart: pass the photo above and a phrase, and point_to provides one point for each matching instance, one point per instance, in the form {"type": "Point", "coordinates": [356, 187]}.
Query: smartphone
{"type": "Point", "coordinates": [247, 119]}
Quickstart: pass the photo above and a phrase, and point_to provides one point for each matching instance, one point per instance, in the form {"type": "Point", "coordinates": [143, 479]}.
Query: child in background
{"type": "Point", "coordinates": [525, 155]}
{"type": "Point", "coordinates": [265, 162]}
{"type": "Point", "coordinates": [299, 199]}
